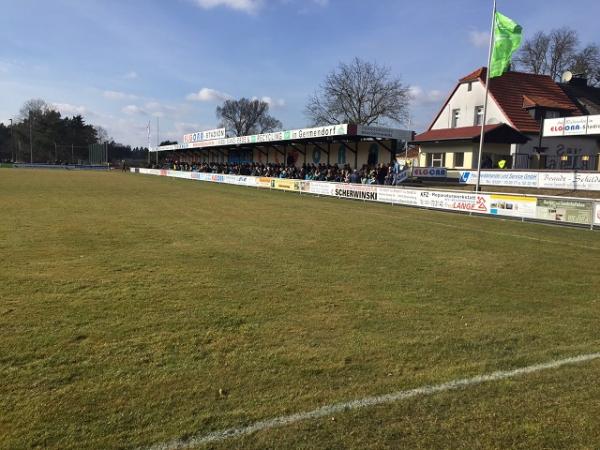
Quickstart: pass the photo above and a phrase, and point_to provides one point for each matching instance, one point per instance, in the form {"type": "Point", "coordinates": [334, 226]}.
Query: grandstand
{"type": "Point", "coordinates": [345, 144]}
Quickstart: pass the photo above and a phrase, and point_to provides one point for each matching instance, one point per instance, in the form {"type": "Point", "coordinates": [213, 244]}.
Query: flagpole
{"type": "Point", "coordinates": [485, 104]}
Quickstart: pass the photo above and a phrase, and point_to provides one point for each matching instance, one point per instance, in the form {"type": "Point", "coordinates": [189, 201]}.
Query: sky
{"type": "Point", "coordinates": [124, 63]}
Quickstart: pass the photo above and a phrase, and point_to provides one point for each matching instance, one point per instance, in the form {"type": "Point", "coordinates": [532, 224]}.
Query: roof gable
{"type": "Point", "coordinates": [514, 92]}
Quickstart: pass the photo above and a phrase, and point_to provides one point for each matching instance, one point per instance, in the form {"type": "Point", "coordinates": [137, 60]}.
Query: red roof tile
{"type": "Point", "coordinates": [532, 101]}
{"type": "Point", "coordinates": [509, 89]}
{"type": "Point", "coordinates": [494, 133]}
{"type": "Point", "coordinates": [509, 92]}
{"type": "Point", "coordinates": [478, 74]}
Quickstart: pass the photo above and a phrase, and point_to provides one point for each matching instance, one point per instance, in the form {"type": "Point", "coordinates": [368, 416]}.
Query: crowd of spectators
{"type": "Point", "coordinates": [385, 174]}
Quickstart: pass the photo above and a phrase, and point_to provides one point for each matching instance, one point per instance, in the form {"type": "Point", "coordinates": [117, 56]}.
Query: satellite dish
{"type": "Point", "coordinates": [492, 121]}
{"type": "Point", "coordinates": [567, 76]}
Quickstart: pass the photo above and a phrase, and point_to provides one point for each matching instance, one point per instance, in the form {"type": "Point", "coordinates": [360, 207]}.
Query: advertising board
{"type": "Point", "coordinates": [554, 209]}
{"type": "Point", "coordinates": [355, 191]}
{"type": "Point", "coordinates": [513, 206]}
{"type": "Point", "coordinates": [398, 196]}
{"type": "Point", "coordinates": [430, 172]}
{"type": "Point", "coordinates": [457, 201]}
{"type": "Point", "coordinates": [500, 178]}
{"type": "Point", "coordinates": [569, 180]}
{"type": "Point", "coordinates": [597, 214]}
{"type": "Point", "coordinates": [286, 185]}
{"type": "Point", "coordinates": [572, 126]}
{"type": "Point", "coordinates": [564, 210]}
{"type": "Point", "coordinates": [320, 187]}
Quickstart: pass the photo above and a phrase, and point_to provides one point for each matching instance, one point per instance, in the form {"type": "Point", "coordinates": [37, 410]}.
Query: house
{"type": "Point", "coordinates": [517, 105]}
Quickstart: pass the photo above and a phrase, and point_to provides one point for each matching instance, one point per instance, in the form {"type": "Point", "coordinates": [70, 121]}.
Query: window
{"type": "Point", "coordinates": [455, 116]}
{"type": "Point", "coordinates": [435, 159]}
{"type": "Point", "coordinates": [552, 114]}
{"type": "Point", "coordinates": [459, 159]}
{"type": "Point", "coordinates": [478, 115]}
{"type": "Point", "coordinates": [470, 86]}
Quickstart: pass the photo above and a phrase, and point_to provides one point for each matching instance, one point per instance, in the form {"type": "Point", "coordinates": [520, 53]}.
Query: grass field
{"type": "Point", "coordinates": [135, 310]}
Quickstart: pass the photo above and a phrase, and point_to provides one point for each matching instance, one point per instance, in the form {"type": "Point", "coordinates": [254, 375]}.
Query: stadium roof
{"type": "Point", "coordinates": [324, 133]}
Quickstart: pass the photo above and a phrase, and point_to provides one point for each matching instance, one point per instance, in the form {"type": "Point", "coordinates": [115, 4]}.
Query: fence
{"type": "Point", "coordinates": [560, 210]}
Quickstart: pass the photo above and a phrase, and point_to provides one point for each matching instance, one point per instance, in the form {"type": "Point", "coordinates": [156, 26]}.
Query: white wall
{"type": "Point", "coordinates": [467, 101]}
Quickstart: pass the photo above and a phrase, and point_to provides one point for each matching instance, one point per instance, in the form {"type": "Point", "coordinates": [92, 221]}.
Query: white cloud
{"type": "Point", "coordinates": [131, 110]}
{"type": "Point", "coordinates": [208, 95]}
{"type": "Point", "coordinates": [116, 95]}
{"type": "Point", "coordinates": [66, 109]}
{"type": "Point", "coordinates": [132, 75]}
{"type": "Point", "coordinates": [479, 39]}
{"type": "Point", "coordinates": [247, 6]}
{"type": "Point", "coordinates": [420, 97]}
{"type": "Point", "coordinates": [272, 102]}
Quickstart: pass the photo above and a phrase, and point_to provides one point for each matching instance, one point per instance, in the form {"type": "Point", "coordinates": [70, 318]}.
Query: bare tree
{"type": "Point", "coordinates": [557, 51]}
{"type": "Point", "coordinates": [587, 62]}
{"type": "Point", "coordinates": [563, 46]}
{"type": "Point", "coordinates": [360, 92]}
{"type": "Point", "coordinates": [102, 135]}
{"type": "Point", "coordinates": [35, 106]}
{"type": "Point", "coordinates": [244, 117]}
{"type": "Point", "coordinates": [533, 56]}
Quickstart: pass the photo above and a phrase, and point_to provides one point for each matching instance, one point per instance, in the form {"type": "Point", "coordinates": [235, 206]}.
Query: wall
{"type": "Point", "coordinates": [467, 101]}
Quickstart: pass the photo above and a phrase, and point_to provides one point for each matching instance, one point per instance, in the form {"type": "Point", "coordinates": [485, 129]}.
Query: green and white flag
{"type": "Point", "coordinates": [507, 39]}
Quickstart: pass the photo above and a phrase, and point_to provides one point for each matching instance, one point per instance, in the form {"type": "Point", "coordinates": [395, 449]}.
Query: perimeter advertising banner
{"type": "Point", "coordinates": [355, 191]}
{"type": "Point", "coordinates": [398, 196]}
{"type": "Point", "coordinates": [553, 209]}
{"type": "Point", "coordinates": [567, 210]}
{"type": "Point", "coordinates": [513, 206]}
{"type": "Point", "coordinates": [569, 180]}
{"type": "Point", "coordinates": [500, 178]}
{"type": "Point", "coordinates": [286, 185]}
{"type": "Point", "coordinates": [456, 201]}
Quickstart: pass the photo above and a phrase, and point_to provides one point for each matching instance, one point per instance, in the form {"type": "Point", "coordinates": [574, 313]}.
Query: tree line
{"type": "Point", "coordinates": [41, 134]}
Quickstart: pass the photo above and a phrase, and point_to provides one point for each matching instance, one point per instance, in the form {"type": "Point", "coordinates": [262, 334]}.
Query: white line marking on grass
{"type": "Point", "coordinates": [328, 410]}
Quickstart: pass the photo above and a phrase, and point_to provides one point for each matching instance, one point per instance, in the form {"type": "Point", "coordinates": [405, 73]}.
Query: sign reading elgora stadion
{"type": "Point", "coordinates": [218, 133]}
{"type": "Point", "coordinates": [572, 126]}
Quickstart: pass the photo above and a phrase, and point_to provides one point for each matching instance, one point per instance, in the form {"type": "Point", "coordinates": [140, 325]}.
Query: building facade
{"type": "Point", "coordinates": [518, 103]}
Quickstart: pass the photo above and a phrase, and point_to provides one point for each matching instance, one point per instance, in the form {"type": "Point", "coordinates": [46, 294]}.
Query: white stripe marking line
{"type": "Point", "coordinates": [325, 411]}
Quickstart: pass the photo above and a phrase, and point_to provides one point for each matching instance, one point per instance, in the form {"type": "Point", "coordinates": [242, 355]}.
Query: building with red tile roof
{"type": "Point", "coordinates": [517, 105]}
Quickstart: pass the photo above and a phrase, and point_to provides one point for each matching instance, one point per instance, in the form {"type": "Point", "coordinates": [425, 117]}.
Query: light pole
{"type": "Point", "coordinates": [12, 142]}
{"type": "Point", "coordinates": [30, 139]}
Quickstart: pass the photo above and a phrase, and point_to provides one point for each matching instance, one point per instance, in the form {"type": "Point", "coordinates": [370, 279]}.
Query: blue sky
{"type": "Point", "coordinates": [121, 63]}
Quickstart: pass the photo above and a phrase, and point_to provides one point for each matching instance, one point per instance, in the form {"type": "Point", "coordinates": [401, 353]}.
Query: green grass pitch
{"type": "Point", "coordinates": [135, 310]}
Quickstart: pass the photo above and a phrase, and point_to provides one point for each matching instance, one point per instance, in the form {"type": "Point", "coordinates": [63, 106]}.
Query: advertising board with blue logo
{"type": "Point", "coordinates": [500, 178]}
{"type": "Point", "coordinates": [429, 172]}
